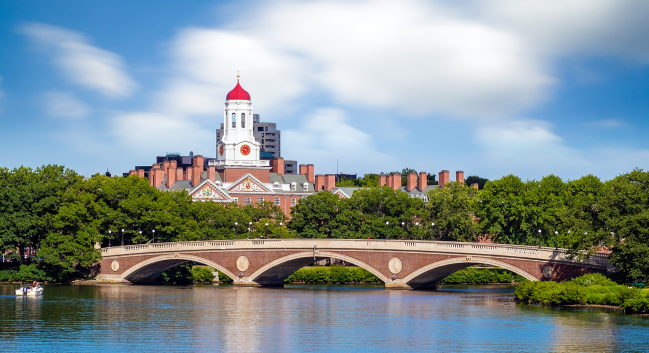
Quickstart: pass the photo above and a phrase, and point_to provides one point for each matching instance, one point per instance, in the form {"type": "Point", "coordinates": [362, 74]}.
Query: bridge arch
{"type": "Point", "coordinates": [148, 270]}
{"type": "Point", "coordinates": [429, 275]}
{"type": "Point", "coordinates": [276, 271]}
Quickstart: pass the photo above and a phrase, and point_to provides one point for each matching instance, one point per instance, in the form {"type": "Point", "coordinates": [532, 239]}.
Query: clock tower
{"type": "Point", "coordinates": [238, 146]}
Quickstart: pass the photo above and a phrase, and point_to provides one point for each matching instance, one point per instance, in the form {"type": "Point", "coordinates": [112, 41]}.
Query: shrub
{"type": "Point", "coordinates": [482, 276]}
{"type": "Point", "coordinates": [638, 305]}
{"type": "Point", "coordinates": [202, 274]}
{"type": "Point", "coordinates": [223, 278]}
{"type": "Point", "coordinates": [332, 274]}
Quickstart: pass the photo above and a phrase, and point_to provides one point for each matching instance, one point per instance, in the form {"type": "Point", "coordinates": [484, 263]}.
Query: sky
{"type": "Point", "coordinates": [490, 87]}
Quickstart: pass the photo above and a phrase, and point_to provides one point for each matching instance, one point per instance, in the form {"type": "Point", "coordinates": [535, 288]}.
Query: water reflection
{"type": "Point", "coordinates": [305, 318]}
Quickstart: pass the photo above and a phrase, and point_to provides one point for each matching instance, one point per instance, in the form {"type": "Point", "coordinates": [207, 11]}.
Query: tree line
{"type": "Point", "coordinates": [63, 216]}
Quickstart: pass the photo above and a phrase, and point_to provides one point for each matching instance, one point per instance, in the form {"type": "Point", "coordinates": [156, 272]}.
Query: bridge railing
{"type": "Point", "coordinates": [521, 251]}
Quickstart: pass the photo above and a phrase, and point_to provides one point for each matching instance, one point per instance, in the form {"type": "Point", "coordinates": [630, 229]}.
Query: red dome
{"type": "Point", "coordinates": [238, 93]}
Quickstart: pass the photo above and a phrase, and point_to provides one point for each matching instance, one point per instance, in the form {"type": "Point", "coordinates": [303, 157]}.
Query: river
{"type": "Point", "coordinates": [303, 318]}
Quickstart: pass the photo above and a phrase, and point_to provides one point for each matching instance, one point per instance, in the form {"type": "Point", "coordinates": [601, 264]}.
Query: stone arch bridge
{"type": "Point", "coordinates": [401, 264]}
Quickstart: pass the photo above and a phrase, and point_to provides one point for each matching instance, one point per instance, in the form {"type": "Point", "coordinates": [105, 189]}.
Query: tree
{"type": "Point", "coordinates": [452, 209]}
{"type": "Point", "coordinates": [27, 198]}
{"type": "Point", "coordinates": [474, 179]}
{"type": "Point", "coordinates": [312, 217]}
{"type": "Point", "coordinates": [623, 207]}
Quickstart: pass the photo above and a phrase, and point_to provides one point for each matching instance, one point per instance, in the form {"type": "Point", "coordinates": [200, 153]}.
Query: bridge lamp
{"type": "Point", "coordinates": [153, 231]}
{"type": "Point", "coordinates": [266, 230]}
{"type": "Point", "coordinates": [386, 229]}
{"type": "Point", "coordinates": [109, 238]}
{"type": "Point", "coordinates": [122, 236]}
{"type": "Point", "coordinates": [236, 233]}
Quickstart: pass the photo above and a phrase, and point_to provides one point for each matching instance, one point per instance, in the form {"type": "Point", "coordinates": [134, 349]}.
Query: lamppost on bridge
{"type": "Point", "coordinates": [109, 238]}
{"type": "Point", "coordinates": [266, 230]}
{"type": "Point", "coordinates": [140, 233]}
{"type": "Point", "coordinates": [403, 225]}
{"type": "Point", "coordinates": [153, 240]}
{"type": "Point", "coordinates": [432, 231]}
{"type": "Point", "coordinates": [249, 229]}
{"type": "Point", "coordinates": [417, 224]}
{"type": "Point", "coordinates": [386, 230]}
{"type": "Point", "coordinates": [122, 236]}
{"type": "Point", "coordinates": [236, 231]}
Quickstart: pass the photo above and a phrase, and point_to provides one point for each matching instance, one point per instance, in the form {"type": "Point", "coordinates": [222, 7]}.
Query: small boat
{"type": "Point", "coordinates": [29, 291]}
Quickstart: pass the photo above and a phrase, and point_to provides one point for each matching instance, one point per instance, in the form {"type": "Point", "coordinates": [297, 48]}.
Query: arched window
{"type": "Point", "coordinates": [243, 120]}
{"type": "Point", "coordinates": [234, 120]}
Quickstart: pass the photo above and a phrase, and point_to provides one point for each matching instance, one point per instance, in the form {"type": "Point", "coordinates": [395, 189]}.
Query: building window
{"type": "Point", "coordinates": [277, 201]}
{"type": "Point", "coordinates": [218, 134]}
{"type": "Point", "coordinates": [262, 140]}
{"type": "Point", "coordinates": [234, 120]}
{"type": "Point", "coordinates": [265, 128]}
{"type": "Point", "coordinates": [306, 186]}
{"type": "Point", "coordinates": [260, 200]}
{"type": "Point", "coordinates": [261, 128]}
{"type": "Point", "coordinates": [235, 200]}
{"type": "Point", "coordinates": [247, 201]}
{"type": "Point", "coordinates": [293, 186]}
{"type": "Point", "coordinates": [293, 202]}
{"type": "Point", "coordinates": [243, 120]}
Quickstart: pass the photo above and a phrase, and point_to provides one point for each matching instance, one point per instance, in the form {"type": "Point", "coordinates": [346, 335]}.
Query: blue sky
{"type": "Point", "coordinates": [489, 87]}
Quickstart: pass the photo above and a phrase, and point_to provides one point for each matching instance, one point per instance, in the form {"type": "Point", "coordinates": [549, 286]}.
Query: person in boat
{"type": "Point", "coordinates": [35, 285]}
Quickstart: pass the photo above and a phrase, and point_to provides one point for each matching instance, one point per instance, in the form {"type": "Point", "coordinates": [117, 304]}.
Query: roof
{"type": "Point", "coordinates": [238, 93]}
{"type": "Point", "coordinates": [266, 155]}
{"type": "Point", "coordinates": [298, 179]}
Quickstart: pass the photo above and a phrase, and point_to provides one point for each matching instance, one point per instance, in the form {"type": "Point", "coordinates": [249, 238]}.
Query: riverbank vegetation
{"type": "Point", "coordinates": [483, 276]}
{"type": "Point", "coordinates": [62, 216]}
{"type": "Point", "coordinates": [332, 274]}
{"type": "Point", "coordinates": [591, 289]}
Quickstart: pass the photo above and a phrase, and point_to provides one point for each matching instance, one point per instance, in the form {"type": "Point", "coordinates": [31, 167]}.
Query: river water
{"type": "Point", "coordinates": [302, 318]}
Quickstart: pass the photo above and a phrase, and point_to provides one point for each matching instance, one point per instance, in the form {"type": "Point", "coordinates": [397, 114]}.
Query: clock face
{"type": "Point", "coordinates": [245, 150]}
{"type": "Point", "coordinates": [221, 150]}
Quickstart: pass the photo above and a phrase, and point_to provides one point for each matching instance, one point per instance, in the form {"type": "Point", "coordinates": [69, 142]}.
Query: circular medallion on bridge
{"type": "Point", "coordinates": [245, 150]}
{"type": "Point", "coordinates": [395, 265]}
{"type": "Point", "coordinates": [114, 265]}
{"type": "Point", "coordinates": [548, 272]}
{"type": "Point", "coordinates": [221, 150]}
{"type": "Point", "coordinates": [242, 263]}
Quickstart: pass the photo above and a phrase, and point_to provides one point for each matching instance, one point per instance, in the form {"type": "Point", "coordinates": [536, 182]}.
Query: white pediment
{"type": "Point", "coordinates": [208, 191]}
{"type": "Point", "coordinates": [249, 184]}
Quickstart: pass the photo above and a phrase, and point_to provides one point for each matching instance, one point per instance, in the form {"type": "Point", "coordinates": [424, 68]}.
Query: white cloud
{"type": "Point", "coordinates": [65, 105]}
{"type": "Point", "coordinates": [603, 27]}
{"type": "Point", "coordinates": [153, 134]}
{"type": "Point", "coordinates": [82, 63]}
{"type": "Point", "coordinates": [325, 136]}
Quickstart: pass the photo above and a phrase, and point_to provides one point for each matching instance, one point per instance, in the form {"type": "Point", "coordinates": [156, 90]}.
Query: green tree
{"type": "Point", "coordinates": [623, 208]}
{"type": "Point", "coordinates": [312, 216]}
{"type": "Point", "coordinates": [27, 198]}
{"type": "Point", "coordinates": [474, 179]}
{"type": "Point", "coordinates": [452, 209]}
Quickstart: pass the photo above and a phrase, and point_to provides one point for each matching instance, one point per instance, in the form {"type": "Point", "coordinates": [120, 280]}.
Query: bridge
{"type": "Point", "coordinates": [400, 264]}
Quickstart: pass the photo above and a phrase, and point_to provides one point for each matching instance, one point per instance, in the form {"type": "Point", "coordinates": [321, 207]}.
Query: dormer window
{"type": "Point", "coordinates": [305, 187]}
{"type": "Point", "coordinates": [293, 186]}
{"type": "Point", "coordinates": [276, 185]}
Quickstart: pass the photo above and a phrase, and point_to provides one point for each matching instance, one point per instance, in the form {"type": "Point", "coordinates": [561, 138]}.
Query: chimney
{"type": "Point", "coordinates": [396, 180]}
{"type": "Point", "coordinates": [140, 173]}
{"type": "Point", "coordinates": [475, 185]}
{"type": "Point", "coordinates": [382, 180]}
{"type": "Point", "coordinates": [459, 176]}
{"type": "Point", "coordinates": [211, 173]}
{"type": "Point", "coordinates": [179, 173]}
{"type": "Point", "coordinates": [188, 174]}
{"type": "Point", "coordinates": [310, 173]}
{"type": "Point", "coordinates": [173, 164]}
{"type": "Point", "coordinates": [198, 161]}
{"type": "Point", "coordinates": [302, 169]}
{"type": "Point", "coordinates": [277, 165]}
{"type": "Point", "coordinates": [171, 177]}
{"type": "Point", "coordinates": [158, 177]}
{"type": "Point", "coordinates": [330, 181]}
{"type": "Point", "coordinates": [412, 182]}
{"type": "Point", "coordinates": [132, 172]}
{"type": "Point", "coordinates": [423, 181]}
{"type": "Point", "coordinates": [443, 178]}
{"type": "Point", "coordinates": [165, 165]}
{"type": "Point", "coordinates": [319, 182]}
{"type": "Point", "coordinates": [196, 174]}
